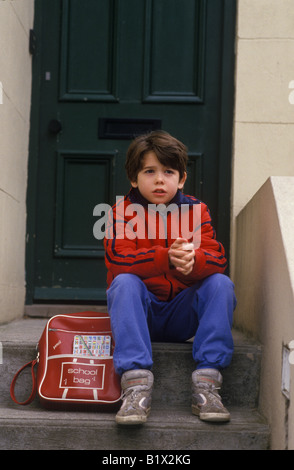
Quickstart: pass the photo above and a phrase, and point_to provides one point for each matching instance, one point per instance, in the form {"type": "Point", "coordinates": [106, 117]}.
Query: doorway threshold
{"type": "Point", "coordinates": [49, 310]}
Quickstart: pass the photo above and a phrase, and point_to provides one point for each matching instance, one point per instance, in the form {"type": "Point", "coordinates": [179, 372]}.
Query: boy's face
{"type": "Point", "coordinates": [157, 183]}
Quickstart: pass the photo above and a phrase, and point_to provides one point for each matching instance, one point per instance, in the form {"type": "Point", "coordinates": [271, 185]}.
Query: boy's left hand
{"type": "Point", "coordinates": [181, 258]}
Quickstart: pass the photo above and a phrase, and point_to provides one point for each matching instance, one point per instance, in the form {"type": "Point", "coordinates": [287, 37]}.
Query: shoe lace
{"type": "Point", "coordinates": [209, 388]}
{"type": "Point", "coordinates": [131, 394]}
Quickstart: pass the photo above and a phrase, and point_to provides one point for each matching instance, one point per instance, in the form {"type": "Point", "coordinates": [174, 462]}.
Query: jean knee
{"type": "Point", "coordinates": [221, 285]}
{"type": "Point", "coordinates": [220, 281]}
{"type": "Point", "coordinates": [126, 281]}
{"type": "Point", "coordinates": [127, 285]}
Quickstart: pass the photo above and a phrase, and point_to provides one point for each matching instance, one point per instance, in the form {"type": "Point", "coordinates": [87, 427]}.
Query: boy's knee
{"type": "Point", "coordinates": [222, 281]}
{"type": "Point", "coordinates": [127, 282]}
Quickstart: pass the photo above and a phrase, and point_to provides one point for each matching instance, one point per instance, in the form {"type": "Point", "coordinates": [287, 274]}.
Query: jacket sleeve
{"type": "Point", "coordinates": [123, 256]}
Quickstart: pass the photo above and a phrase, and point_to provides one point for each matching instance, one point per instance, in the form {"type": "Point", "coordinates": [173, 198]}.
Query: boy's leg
{"type": "Point", "coordinates": [213, 343]}
{"type": "Point", "coordinates": [206, 311]}
{"type": "Point", "coordinates": [128, 305]}
{"type": "Point", "coordinates": [213, 346]}
{"type": "Point", "coordinates": [203, 311]}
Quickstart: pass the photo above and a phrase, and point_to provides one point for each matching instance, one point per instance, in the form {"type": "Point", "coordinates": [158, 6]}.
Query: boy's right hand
{"type": "Point", "coordinates": [182, 256]}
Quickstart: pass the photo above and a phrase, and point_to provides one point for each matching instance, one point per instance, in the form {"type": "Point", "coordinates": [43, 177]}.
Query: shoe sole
{"type": "Point", "coordinates": [211, 417]}
{"type": "Point", "coordinates": [132, 420]}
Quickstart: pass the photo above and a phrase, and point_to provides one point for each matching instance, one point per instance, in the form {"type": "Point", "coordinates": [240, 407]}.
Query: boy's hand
{"type": "Point", "coordinates": [182, 255]}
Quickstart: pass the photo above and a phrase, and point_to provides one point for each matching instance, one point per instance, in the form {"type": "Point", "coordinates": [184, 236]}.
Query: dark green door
{"type": "Point", "coordinates": [106, 70]}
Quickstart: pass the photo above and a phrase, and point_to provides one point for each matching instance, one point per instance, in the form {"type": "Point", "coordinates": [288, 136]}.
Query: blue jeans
{"type": "Point", "coordinates": [203, 311]}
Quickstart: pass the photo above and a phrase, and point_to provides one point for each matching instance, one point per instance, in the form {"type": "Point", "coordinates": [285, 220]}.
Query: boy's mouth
{"type": "Point", "coordinates": [159, 191]}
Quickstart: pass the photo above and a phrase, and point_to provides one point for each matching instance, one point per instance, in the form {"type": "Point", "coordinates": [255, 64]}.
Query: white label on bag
{"type": "Point", "coordinates": [81, 375]}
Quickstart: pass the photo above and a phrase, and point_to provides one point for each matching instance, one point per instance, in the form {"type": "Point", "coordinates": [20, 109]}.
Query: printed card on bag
{"type": "Point", "coordinates": [92, 345]}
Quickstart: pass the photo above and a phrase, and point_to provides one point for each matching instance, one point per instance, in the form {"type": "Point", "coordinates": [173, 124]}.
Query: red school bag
{"type": "Point", "coordinates": [75, 364]}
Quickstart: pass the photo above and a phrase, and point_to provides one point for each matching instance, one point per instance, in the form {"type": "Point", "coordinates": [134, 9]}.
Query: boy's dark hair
{"type": "Point", "coordinates": [170, 152]}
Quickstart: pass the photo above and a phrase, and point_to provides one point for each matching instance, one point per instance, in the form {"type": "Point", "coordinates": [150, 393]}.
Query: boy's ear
{"type": "Point", "coordinates": [134, 184]}
{"type": "Point", "coordinates": [182, 181]}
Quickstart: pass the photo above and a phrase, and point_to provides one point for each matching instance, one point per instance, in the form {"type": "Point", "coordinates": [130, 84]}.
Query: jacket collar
{"type": "Point", "coordinates": [136, 197]}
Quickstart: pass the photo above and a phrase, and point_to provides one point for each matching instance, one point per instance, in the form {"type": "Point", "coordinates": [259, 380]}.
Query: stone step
{"type": "Point", "coordinates": [31, 428]}
{"type": "Point", "coordinates": [170, 426]}
{"type": "Point", "coordinates": [173, 366]}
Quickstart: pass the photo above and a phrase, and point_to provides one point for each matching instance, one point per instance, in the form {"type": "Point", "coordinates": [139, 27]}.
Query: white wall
{"type": "Point", "coordinates": [262, 264]}
{"type": "Point", "coordinates": [264, 279]}
{"type": "Point", "coordinates": [264, 114]}
{"type": "Point", "coordinates": [16, 19]}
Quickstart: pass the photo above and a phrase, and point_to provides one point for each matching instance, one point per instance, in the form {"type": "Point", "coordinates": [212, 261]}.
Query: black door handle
{"type": "Point", "coordinates": [55, 126]}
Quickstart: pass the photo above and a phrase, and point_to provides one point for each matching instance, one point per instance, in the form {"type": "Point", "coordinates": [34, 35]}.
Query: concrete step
{"type": "Point", "coordinates": [173, 365]}
{"type": "Point", "coordinates": [171, 424]}
{"type": "Point", "coordinates": [175, 429]}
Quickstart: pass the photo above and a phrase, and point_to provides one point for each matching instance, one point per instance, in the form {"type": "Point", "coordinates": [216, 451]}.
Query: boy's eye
{"type": "Point", "coordinates": [167, 171]}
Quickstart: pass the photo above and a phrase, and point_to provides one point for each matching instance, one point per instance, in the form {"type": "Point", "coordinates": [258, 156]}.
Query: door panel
{"type": "Point", "coordinates": [108, 70]}
{"type": "Point", "coordinates": [88, 50]}
{"type": "Point", "coordinates": [173, 59]}
{"type": "Point", "coordinates": [81, 181]}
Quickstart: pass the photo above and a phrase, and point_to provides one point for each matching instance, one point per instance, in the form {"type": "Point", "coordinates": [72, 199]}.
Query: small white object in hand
{"type": "Point", "coordinates": [187, 246]}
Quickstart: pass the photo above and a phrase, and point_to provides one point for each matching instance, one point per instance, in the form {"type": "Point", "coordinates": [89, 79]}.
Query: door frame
{"type": "Point", "coordinates": [227, 90]}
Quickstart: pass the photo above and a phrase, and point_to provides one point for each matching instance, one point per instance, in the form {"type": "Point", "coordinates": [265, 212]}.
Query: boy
{"type": "Point", "coordinates": [160, 286]}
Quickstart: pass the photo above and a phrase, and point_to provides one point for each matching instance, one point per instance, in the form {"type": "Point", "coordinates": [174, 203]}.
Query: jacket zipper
{"type": "Point", "coordinates": [80, 332]}
{"type": "Point", "coordinates": [166, 245]}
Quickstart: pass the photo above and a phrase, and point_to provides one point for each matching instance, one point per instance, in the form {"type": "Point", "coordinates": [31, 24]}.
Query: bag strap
{"type": "Point", "coordinates": [34, 388]}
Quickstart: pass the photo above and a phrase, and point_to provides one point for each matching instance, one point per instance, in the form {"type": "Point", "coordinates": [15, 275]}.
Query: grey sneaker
{"type": "Point", "coordinates": [206, 401]}
{"type": "Point", "coordinates": [137, 389]}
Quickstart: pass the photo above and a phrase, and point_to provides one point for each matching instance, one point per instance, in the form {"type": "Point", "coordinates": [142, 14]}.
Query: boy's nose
{"type": "Point", "coordinates": [159, 177]}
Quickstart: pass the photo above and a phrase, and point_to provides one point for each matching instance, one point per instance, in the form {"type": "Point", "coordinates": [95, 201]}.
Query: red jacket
{"type": "Point", "coordinates": [130, 248]}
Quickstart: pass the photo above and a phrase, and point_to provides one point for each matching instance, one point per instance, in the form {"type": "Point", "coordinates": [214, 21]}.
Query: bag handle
{"type": "Point", "coordinates": [34, 388]}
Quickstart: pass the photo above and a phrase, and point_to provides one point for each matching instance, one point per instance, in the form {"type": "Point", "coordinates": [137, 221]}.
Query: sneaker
{"type": "Point", "coordinates": [137, 389]}
{"type": "Point", "coordinates": [206, 401]}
